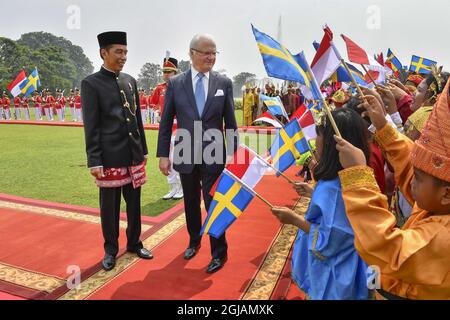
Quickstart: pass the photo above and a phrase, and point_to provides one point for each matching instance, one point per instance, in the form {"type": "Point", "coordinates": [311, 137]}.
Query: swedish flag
{"type": "Point", "coordinates": [393, 62]}
{"type": "Point", "coordinates": [229, 202]}
{"type": "Point", "coordinates": [32, 84]}
{"type": "Point", "coordinates": [421, 65]}
{"type": "Point", "coordinates": [274, 105]}
{"type": "Point", "coordinates": [278, 61]}
{"type": "Point", "coordinates": [341, 75]}
{"type": "Point", "coordinates": [289, 144]}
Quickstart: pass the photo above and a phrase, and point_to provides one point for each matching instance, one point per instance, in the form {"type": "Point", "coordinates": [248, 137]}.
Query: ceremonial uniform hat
{"type": "Point", "coordinates": [112, 37]}
{"type": "Point", "coordinates": [170, 65]}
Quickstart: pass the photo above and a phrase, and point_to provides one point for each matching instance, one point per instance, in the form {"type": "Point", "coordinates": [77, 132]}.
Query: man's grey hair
{"type": "Point", "coordinates": [198, 38]}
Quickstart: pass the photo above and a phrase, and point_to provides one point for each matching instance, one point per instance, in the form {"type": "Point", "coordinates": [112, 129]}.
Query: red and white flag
{"type": "Point", "coordinates": [306, 120]}
{"type": "Point", "coordinates": [268, 118]}
{"type": "Point", "coordinates": [247, 166]}
{"type": "Point", "coordinates": [14, 87]}
{"type": "Point", "coordinates": [358, 55]}
{"type": "Point", "coordinates": [326, 62]}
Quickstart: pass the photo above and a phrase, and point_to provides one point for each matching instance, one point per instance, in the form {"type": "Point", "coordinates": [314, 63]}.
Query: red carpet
{"type": "Point", "coordinates": [38, 245]}
{"type": "Point", "coordinates": [44, 246]}
{"type": "Point", "coordinates": [169, 276]}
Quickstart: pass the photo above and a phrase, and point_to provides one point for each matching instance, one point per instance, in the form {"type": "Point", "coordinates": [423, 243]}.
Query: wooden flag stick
{"type": "Point", "coordinates": [353, 79]}
{"type": "Point", "coordinates": [370, 76]}
{"type": "Point", "coordinates": [249, 189]}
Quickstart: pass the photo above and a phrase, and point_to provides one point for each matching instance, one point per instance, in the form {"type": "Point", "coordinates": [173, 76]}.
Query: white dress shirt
{"type": "Point", "coordinates": [205, 81]}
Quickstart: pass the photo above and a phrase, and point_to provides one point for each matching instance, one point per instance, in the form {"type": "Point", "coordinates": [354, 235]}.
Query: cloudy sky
{"type": "Point", "coordinates": [408, 27]}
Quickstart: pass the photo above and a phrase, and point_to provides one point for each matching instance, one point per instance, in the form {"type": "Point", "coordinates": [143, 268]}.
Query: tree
{"type": "Point", "coordinates": [150, 75]}
{"type": "Point", "coordinates": [184, 66]}
{"type": "Point", "coordinates": [240, 80]}
{"type": "Point", "coordinates": [60, 63]}
{"type": "Point", "coordinates": [39, 40]}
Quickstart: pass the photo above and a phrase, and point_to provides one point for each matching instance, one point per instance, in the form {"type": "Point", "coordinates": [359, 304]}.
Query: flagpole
{"type": "Point", "coordinates": [248, 188]}
{"type": "Point", "coordinates": [370, 76]}
{"type": "Point", "coordinates": [327, 107]}
{"type": "Point", "coordinates": [348, 70]}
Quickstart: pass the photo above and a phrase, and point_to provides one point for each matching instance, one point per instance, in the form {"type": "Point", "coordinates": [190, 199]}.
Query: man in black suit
{"type": "Point", "coordinates": [202, 101]}
{"type": "Point", "coordinates": [115, 145]}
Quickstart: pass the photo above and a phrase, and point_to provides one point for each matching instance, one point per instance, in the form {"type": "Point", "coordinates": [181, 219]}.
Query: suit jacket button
{"type": "Point", "coordinates": [130, 134]}
{"type": "Point", "coordinates": [128, 119]}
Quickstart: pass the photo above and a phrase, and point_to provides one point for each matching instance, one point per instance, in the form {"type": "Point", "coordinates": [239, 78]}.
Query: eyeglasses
{"type": "Point", "coordinates": [203, 53]}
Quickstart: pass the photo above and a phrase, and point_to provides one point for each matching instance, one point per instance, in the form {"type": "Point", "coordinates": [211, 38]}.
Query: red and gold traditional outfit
{"type": "Point", "coordinates": [415, 260]}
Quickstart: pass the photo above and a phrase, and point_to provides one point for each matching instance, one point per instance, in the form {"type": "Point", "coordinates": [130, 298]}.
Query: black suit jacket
{"type": "Point", "coordinates": [114, 136]}
{"type": "Point", "coordinates": [218, 114]}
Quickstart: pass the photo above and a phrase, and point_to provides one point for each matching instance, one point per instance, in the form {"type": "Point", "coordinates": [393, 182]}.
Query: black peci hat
{"type": "Point", "coordinates": [112, 37]}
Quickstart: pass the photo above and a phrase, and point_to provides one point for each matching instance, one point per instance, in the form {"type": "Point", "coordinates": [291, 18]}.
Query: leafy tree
{"type": "Point", "coordinates": [240, 80]}
{"type": "Point", "coordinates": [150, 75]}
{"type": "Point", "coordinates": [184, 65]}
{"type": "Point", "coordinates": [40, 40]}
{"type": "Point", "coordinates": [60, 63]}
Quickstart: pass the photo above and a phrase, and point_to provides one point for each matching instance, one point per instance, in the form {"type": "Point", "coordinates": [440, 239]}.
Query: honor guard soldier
{"type": "Point", "coordinates": [17, 106]}
{"type": "Point", "coordinates": [60, 103]}
{"type": "Point", "coordinates": [143, 101]}
{"type": "Point", "coordinates": [71, 101]}
{"type": "Point", "coordinates": [78, 107]}
{"type": "Point", "coordinates": [115, 145]}
{"type": "Point", "coordinates": [6, 106]}
{"type": "Point", "coordinates": [37, 100]}
{"type": "Point", "coordinates": [26, 107]}
{"type": "Point", "coordinates": [173, 179]}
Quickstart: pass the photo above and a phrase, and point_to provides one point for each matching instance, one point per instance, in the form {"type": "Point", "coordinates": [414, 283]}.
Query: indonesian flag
{"type": "Point", "coordinates": [306, 120]}
{"type": "Point", "coordinates": [326, 62]}
{"type": "Point", "coordinates": [358, 55]}
{"type": "Point", "coordinates": [268, 118]}
{"type": "Point", "coordinates": [14, 87]}
{"type": "Point", "coordinates": [247, 166]}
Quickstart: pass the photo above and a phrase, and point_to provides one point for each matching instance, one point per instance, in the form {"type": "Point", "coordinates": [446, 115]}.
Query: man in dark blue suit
{"type": "Point", "coordinates": [202, 102]}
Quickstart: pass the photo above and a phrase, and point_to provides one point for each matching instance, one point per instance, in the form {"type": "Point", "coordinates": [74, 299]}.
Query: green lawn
{"type": "Point", "coordinates": [49, 163]}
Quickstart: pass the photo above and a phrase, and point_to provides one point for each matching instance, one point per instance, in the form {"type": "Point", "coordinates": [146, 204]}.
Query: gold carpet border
{"type": "Point", "coordinates": [101, 278]}
{"type": "Point", "coordinates": [30, 279]}
{"type": "Point", "coordinates": [263, 284]}
{"type": "Point", "coordinates": [63, 214]}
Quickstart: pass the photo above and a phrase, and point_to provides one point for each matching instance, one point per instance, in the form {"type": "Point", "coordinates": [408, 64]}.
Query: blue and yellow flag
{"type": "Point", "coordinates": [289, 144]}
{"type": "Point", "coordinates": [274, 106]}
{"type": "Point", "coordinates": [393, 62]}
{"type": "Point", "coordinates": [229, 202]}
{"type": "Point", "coordinates": [31, 84]}
{"type": "Point", "coordinates": [421, 65]}
{"type": "Point", "coordinates": [278, 61]}
{"type": "Point", "coordinates": [341, 75]}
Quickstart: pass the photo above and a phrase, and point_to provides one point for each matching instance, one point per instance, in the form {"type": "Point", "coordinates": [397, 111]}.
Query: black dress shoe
{"type": "Point", "coordinates": [143, 253]}
{"type": "Point", "coordinates": [109, 262]}
{"type": "Point", "coordinates": [191, 252]}
{"type": "Point", "coordinates": [216, 264]}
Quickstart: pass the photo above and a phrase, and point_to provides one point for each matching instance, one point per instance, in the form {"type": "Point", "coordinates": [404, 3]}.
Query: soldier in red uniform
{"type": "Point", "coordinates": [37, 100]}
{"type": "Point", "coordinates": [17, 106]}
{"type": "Point", "coordinates": [49, 103]}
{"type": "Point", "coordinates": [71, 101]}
{"type": "Point", "coordinates": [60, 103]}
{"type": "Point", "coordinates": [169, 70]}
{"type": "Point", "coordinates": [6, 106]}
{"type": "Point", "coordinates": [25, 107]}
{"type": "Point", "coordinates": [78, 108]}
{"type": "Point", "coordinates": [143, 100]}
